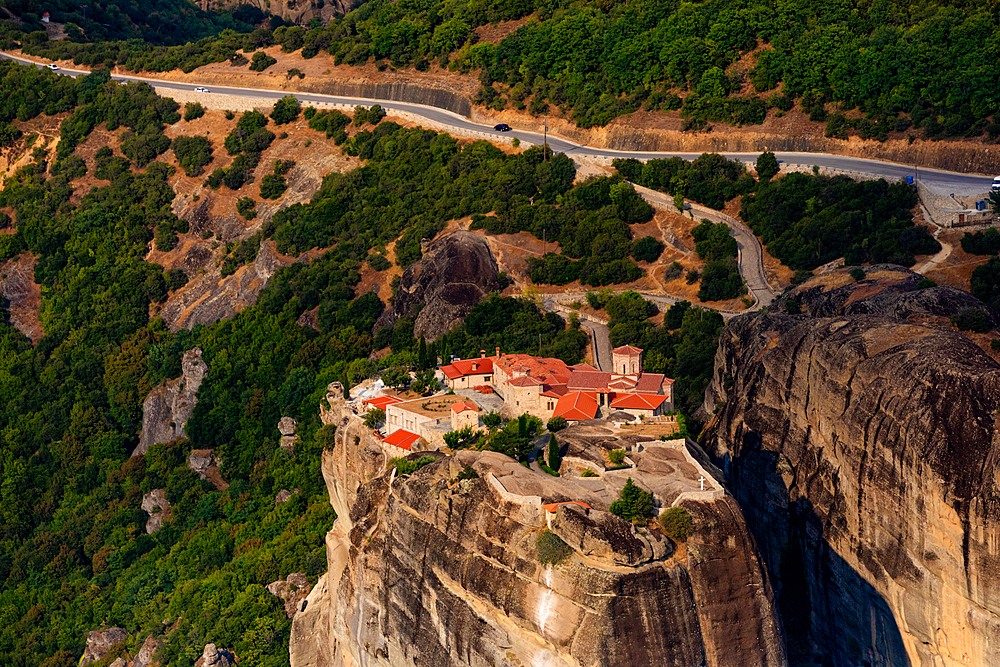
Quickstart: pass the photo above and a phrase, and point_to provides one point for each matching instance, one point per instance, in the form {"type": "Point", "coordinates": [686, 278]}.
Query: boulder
{"type": "Point", "coordinates": [293, 591]}
{"type": "Point", "coordinates": [286, 427]}
{"type": "Point", "coordinates": [600, 535]}
{"type": "Point", "coordinates": [455, 273]}
{"type": "Point", "coordinates": [284, 496]}
{"type": "Point", "coordinates": [156, 505]}
{"type": "Point", "coordinates": [119, 662]}
{"type": "Point", "coordinates": [861, 439]}
{"type": "Point", "coordinates": [99, 642]}
{"type": "Point", "coordinates": [168, 407]}
{"type": "Point", "coordinates": [205, 465]}
{"type": "Point", "coordinates": [144, 658]}
{"type": "Point", "coordinates": [213, 656]}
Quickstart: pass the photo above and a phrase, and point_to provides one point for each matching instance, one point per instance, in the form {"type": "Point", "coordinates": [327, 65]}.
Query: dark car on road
{"type": "Point", "coordinates": [502, 127]}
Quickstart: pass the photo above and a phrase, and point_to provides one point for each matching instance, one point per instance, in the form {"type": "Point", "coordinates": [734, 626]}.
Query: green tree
{"type": "Point", "coordinates": [285, 110]}
{"type": "Point", "coordinates": [633, 504]}
{"type": "Point", "coordinates": [555, 460]}
{"type": "Point", "coordinates": [767, 165]}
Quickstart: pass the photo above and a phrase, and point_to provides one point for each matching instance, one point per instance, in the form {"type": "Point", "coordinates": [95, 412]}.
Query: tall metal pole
{"type": "Point", "coordinates": [545, 138]}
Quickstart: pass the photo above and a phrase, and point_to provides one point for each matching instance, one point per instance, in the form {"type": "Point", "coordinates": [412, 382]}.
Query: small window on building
{"type": "Point", "coordinates": [487, 378]}
{"type": "Point", "coordinates": [517, 403]}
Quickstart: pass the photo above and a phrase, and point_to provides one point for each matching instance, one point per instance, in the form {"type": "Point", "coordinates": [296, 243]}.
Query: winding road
{"type": "Point", "coordinates": [889, 170]}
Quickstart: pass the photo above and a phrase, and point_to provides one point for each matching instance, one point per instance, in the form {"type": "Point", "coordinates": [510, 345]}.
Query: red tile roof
{"type": "Point", "coordinates": [402, 439]}
{"type": "Point", "coordinates": [382, 402]}
{"type": "Point", "coordinates": [554, 390]}
{"type": "Point", "coordinates": [649, 383]}
{"type": "Point", "coordinates": [544, 369]}
{"type": "Point", "coordinates": [626, 349]}
{"type": "Point", "coordinates": [576, 405]}
{"type": "Point", "coordinates": [524, 381]}
{"type": "Point", "coordinates": [463, 367]}
{"type": "Point", "coordinates": [584, 367]}
{"type": "Point", "coordinates": [462, 406]}
{"type": "Point", "coordinates": [588, 380]}
{"type": "Point", "coordinates": [552, 507]}
{"type": "Point", "coordinates": [638, 401]}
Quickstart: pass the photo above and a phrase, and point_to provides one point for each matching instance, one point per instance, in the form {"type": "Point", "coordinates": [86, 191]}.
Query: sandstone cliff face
{"type": "Point", "coordinates": [168, 407]}
{"type": "Point", "coordinates": [861, 441]}
{"type": "Point", "coordinates": [454, 274]}
{"type": "Point", "coordinates": [426, 570]}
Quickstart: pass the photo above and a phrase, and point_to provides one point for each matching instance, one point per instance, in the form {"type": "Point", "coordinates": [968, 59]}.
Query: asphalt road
{"type": "Point", "coordinates": [889, 170]}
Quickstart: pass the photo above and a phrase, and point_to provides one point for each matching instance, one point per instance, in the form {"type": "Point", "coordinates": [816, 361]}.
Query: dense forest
{"type": "Point", "coordinates": [163, 22]}
{"type": "Point", "coordinates": [926, 68]}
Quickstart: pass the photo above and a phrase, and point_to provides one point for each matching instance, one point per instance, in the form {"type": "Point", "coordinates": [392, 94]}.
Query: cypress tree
{"type": "Point", "coordinates": [422, 353]}
{"type": "Point", "coordinates": [554, 459]}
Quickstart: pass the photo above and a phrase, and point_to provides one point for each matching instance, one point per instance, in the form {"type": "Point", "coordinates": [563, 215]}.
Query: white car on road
{"type": "Point", "coordinates": [52, 66]}
{"type": "Point", "coordinates": [201, 89]}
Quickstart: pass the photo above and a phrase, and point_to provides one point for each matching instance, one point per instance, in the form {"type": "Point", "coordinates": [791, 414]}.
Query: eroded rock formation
{"type": "Point", "coordinates": [168, 407]}
{"type": "Point", "coordinates": [290, 10]}
{"type": "Point", "coordinates": [428, 570]}
{"type": "Point", "coordinates": [454, 274]}
{"type": "Point", "coordinates": [213, 656]}
{"type": "Point", "coordinates": [156, 505]}
{"type": "Point", "coordinates": [292, 590]}
{"type": "Point", "coordinates": [99, 642]}
{"type": "Point", "coordinates": [861, 440]}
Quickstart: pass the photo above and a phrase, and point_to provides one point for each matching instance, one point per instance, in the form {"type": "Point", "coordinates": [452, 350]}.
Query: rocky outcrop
{"type": "Point", "coordinates": [425, 569]}
{"type": "Point", "coordinates": [144, 658]}
{"type": "Point", "coordinates": [286, 427]}
{"type": "Point", "coordinates": [284, 496]}
{"type": "Point", "coordinates": [168, 407]}
{"type": "Point", "coordinates": [295, 11]}
{"type": "Point", "coordinates": [99, 642]}
{"type": "Point", "coordinates": [292, 591]}
{"type": "Point", "coordinates": [454, 274]}
{"type": "Point", "coordinates": [213, 656]}
{"type": "Point", "coordinates": [210, 297]}
{"type": "Point", "coordinates": [861, 440]}
{"type": "Point", "coordinates": [23, 294]}
{"type": "Point", "coordinates": [156, 505]}
{"type": "Point", "coordinates": [204, 464]}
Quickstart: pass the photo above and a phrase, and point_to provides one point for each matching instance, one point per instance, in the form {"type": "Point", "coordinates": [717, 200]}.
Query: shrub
{"type": "Point", "coordinates": [692, 276]}
{"type": "Point", "coordinates": [616, 456]}
{"type": "Point", "coordinates": [633, 504]}
{"type": "Point", "coordinates": [246, 207]}
{"type": "Point", "coordinates": [858, 274]}
{"type": "Point", "coordinates": [801, 276]}
{"type": "Point", "coordinates": [193, 154]}
{"type": "Point", "coordinates": [193, 110]}
{"type": "Point", "coordinates": [972, 319]}
{"type": "Point", "coordinates": [676, 524]}
{"type": "Point", "coordinates": [285, 110]}
{"type": "Point", "coordinates": [926, 283]}
{"type": "Point", "coordinates": [378, 262]}
{"type": "Point", "coordinates": [175, 279]}
{"type": "Point", "coordinates": [407, 467]}
{"type": "Point", "coordinates": [215, 179]}
{"type": "Point", "coordinates": [552, 550]}
{"type": "Point", "coordinates": [374, 417]}
{"type": "Point", "coordinates": [492, 419]}
{"type": "Point", "coordinates": [294, 71]}
{"type": "Point", "coordinates": [589, 473]}
{"type": "Point", "coordinates": [556, 424]}
{"type": "Point", "coordinates": [792, 307]}
{"type": "Point", "coordinates": [467, 473]}
{"type": "Point", "coordinates": [646, 249]}
{"type": "Point", "coordinates": [673, 272]}
{"type": "Point", "coordinates": [721, 280]}
{"type": "Point", "coordinates": [272, 186]}
{"type": "Point", "coordinates": [261, 61]}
